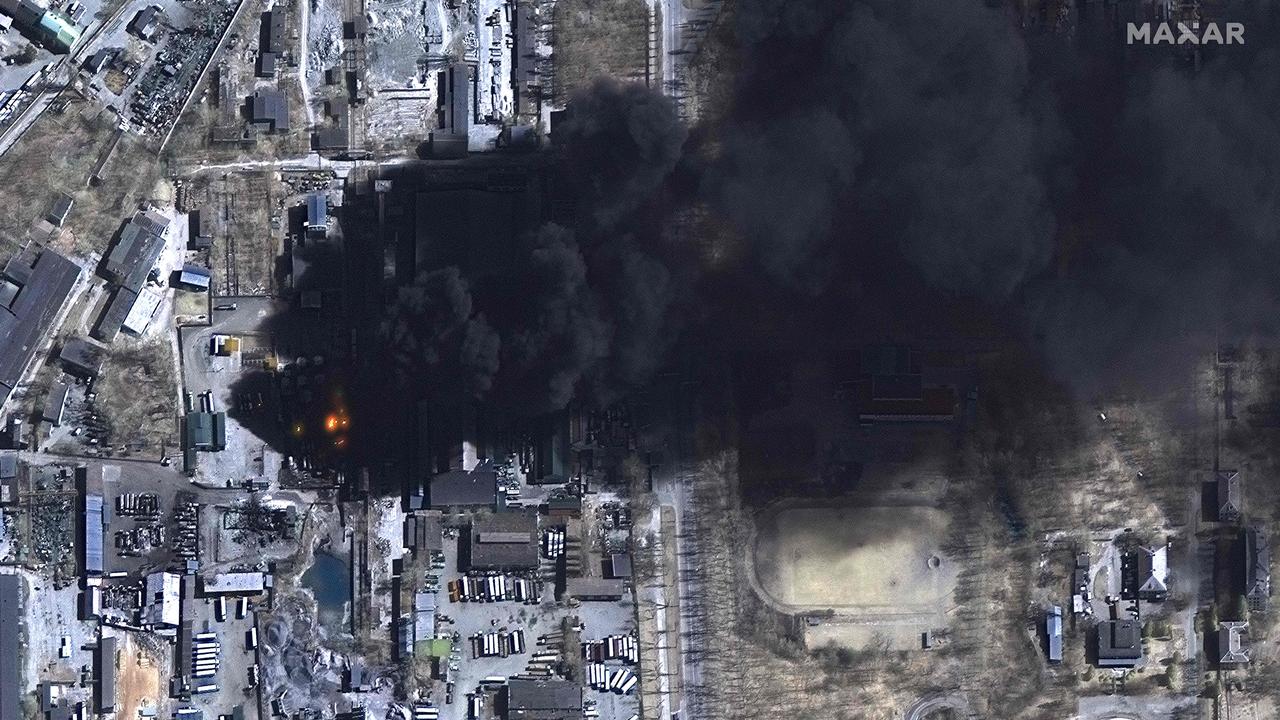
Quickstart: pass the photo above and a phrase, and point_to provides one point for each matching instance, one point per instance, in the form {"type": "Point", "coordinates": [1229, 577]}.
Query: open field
{"type": "Point", "coordinates": [248, 230]}
{"type": "Point", "coordinates": [595, 38]}
{"type": "Point", "coordinates": [854, 558]}
{"type": "Point", "coordinates": [59, 154]}
{"type": "Point", "coordinates": [137, 396]}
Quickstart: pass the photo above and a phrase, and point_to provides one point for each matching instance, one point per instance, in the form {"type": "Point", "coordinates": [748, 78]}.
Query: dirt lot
{"type": "Point", "coordinates": [137, 396]}
{"type": "Point", "coordinates": [40, 165]}
{"type": "Point", "coordinates": [806, 557]}
{"type": "Point", "coordinates": [594, 38]}
{"type": "Point", "coordinates": [247, 236]}
{"type": "Point", "coordinates": [138, 683]}
{"type": "Point", "coordinates": [221, 99]}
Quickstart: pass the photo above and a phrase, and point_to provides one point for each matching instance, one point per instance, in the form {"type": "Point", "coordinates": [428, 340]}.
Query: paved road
{"type": "Point", "coordinates": [673, 485]}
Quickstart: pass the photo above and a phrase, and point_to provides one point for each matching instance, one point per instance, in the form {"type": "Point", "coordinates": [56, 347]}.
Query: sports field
{"type": "Point", "coordinates": [871, 559]}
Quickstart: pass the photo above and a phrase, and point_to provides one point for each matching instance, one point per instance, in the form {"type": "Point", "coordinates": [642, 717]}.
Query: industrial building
{"type": "Point", "coordinates": [80, 358]}
{"type": "Point", "coordinates": [194, 277]}
{"type": "Point", "coordinates": [543, 700]}
{"type": "Point", "coordinates": [269, 111]}
{"type": "Point", "coordinates": [1053, 633]}
{"type": "Point", "coordinates": [145, 23]}
{"type": "Point", "coordinates": [55, 404]}
{"type": "Point", "coordinates": [503, 541]}
{"type": "Point", "coordinates": [1119, 643]}
{"type": "Point", "coordinates": [200, 232]}
{"type": "Point", "coordinates": [595, 589]}
{"type": "Point", "coordinates": [619, 566]}
{"type": "Point", "coordinates": [163, 606]}
{"type": "Point", "coordinates": [105, 667]}
{"type": "Point", "coordinates": [94, 531]}
{"type": "Point", "coordinates": [1257, 568]}
{"type": "Point", "coordinates": [49, 28]}
{"type": "Point", "coordinates": [33, 291]}
{"type": "Point", "coordinates": [128, 265]}
{"type": "Point", "coordinates": [424, 532]}
{"type": "Point", "coordinates": [205, 431]}
{"type": "Point", "coordinates": [10, 646]}
{"type": "Point", "coordinates": [897, 383]}
{"type": "Point", "coordinates": [317, 215]}
{"type": "Point", "coordinates": [456, 489]}
{"type": "Point", "coordinates": [137, 250]}
{"type": "Point", "coordinates": [8, 477]}
{"type": "Point", "coordinates": [235, 583]}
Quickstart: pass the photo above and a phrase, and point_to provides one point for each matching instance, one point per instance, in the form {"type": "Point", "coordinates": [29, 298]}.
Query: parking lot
{"type": "Point", "coordinates": [230, 629]}
{"type": "Point", "coordinates": [466, 619]}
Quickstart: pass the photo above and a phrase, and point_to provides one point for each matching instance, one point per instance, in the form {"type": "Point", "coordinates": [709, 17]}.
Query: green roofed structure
{"type": "Point", "coordinates": [206, 431]}
{"type": "Point", "coordinates": [57, 31]}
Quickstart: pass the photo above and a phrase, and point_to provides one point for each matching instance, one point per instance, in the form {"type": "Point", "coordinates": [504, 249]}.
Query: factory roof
{"type": "Point", "coordinates": [206, 431]}
{"type": "Point", "coordinates": [1053, 631]}
{"type": "Point", "coordinates": [94, 532]}
{"type": "Point", "coordinates": [55, 403]}
{"type": "Point", "coordinates": [235, 583]}
{"type": "Point", "coordinates": [504, 540]}
{"type": "Point", "coordinates": [57, 31]}
{"type": "Point", "coordinates": [194, 276]}
{"type": "Point", "coordinates": [317, 211]}
{"type": "Point", "coordinates": [270, 108]}
{"type": "Point", "coordinates": [620, 565]}
{"type": "Point", "coordinates": [80, 357]}
{"type": "Point", "coordinates": [45, 288]}
{"type": "Point", "coordinates": [592, 588]}
{"type": "Point", "coordinates": [136, 252]}
{"type": "Point", "coordinates": [424, 530]}
{"type": "Point", "coordinates": [201, 227]}
{"type": "Point", "coordinates": [163, 599]}
{"type": "Point", "coordinates": [460, 488]}
{"type": "Point", "coordinates": [139, 316]}
{"type": "Point", "coordinates": [273, 29]}
{"type": "Point", "coordinates": [10, 673]}
{"type": "Point", "coordinates": [543, 699]}
{"type": "Point", "coordinates": [61, 208]}
{"type": "Point", "coordinates": [330, 139]}
{"type": "Point", "coordinates": [146, 22]}
{"type": "Point", "coordinates": [106, 667]}
{"type": "Point", "coordinates": [267, 64]}
{"type": "Point", "coordinates": [454, 98]}
{"type": "Point", "coordinates": [119, 309]}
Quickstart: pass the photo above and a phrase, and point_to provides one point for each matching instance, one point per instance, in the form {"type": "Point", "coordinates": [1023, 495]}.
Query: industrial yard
{"type": "Point", "coordinates": [636, 360]}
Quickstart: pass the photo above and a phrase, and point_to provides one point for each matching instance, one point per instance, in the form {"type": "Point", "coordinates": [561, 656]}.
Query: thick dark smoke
{"type": "Point", "coordinates": [912, 126]}
{"type": "Point", "coordinates": [438, 340]}
{"type": "Point", "coordinates": [1119, 205]}
{"type": "Point", "coordinates": [557, 333]}
{"type": "Point", "coordinates": [621, 142]}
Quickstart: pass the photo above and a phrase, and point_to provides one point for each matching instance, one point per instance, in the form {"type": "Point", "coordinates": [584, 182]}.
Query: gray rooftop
{"type": "Point", "coordinates": [504, 540]}
{"type": "Point", "coordinates": [94, 530]}
{"type": "Point", "coordinates": [1119, 643]}
{"type": "Point", "coordinates": [543, 699]}
{"type": "Point", "coordinates": [10, 672]}
{"type": "Point", "coordinates": [23, 324]}
{"type": "Point", "coordinates": [460, 488]}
